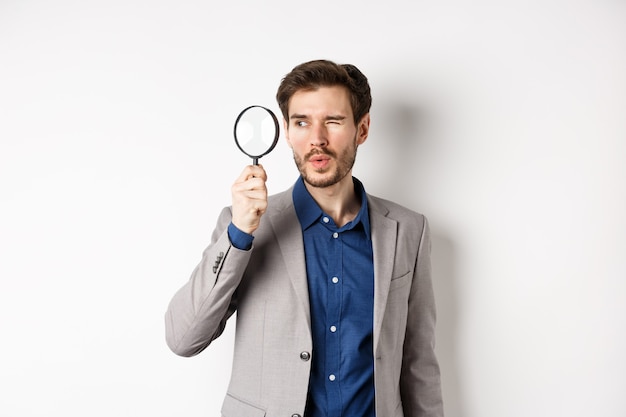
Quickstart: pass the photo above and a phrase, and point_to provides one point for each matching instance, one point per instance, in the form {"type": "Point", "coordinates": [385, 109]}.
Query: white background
{"type": "Point", "coordinates": [503, 122]}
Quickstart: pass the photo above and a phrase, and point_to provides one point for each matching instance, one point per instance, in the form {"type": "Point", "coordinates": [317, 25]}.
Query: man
{"type": "Point", "coordinates": [332, 286]}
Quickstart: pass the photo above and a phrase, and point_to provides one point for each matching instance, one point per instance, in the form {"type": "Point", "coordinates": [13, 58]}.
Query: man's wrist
{"type": "Point", "coordinates": [239, 239]}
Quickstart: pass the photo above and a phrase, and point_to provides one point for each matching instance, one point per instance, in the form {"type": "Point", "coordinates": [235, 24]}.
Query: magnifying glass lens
{"type": "Point", "coordinates": [256, 132]}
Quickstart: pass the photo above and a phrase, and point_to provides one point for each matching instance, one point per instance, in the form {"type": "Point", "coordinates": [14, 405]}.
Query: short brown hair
{"type": "Point", "coordinates": [322, 73]}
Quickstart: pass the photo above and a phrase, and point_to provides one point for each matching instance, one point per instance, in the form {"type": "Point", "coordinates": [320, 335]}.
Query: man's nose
{"type": "Point", "coordinates": [319, 135]}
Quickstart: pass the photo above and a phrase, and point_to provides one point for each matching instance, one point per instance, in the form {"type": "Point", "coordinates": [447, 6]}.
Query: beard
{"type": "Point", "coordinates": [326, 177]}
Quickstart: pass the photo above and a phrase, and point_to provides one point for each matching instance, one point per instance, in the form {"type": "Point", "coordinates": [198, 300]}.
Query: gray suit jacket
{"type": "Point", "coordinates": [267, 286]}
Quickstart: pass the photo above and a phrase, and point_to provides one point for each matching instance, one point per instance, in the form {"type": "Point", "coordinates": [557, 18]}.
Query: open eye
{"type": "Point", "coordinates": [301, 123]}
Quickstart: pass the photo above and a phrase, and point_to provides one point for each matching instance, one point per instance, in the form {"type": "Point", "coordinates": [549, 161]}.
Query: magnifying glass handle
{"type": "Point", "coordinates": [255, 161]}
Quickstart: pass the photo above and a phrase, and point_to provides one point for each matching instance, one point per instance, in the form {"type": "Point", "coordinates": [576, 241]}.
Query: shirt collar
{"type": "Point", "coordinates": [308, 211]}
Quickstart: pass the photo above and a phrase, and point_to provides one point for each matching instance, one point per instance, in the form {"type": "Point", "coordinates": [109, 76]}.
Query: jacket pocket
{"type": "Point", "coordinates": [400, 281]}
{"type": "Point", "coordinates": [234, 407]}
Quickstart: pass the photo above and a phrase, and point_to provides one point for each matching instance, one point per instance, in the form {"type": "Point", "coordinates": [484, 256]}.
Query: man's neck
{"type": "Point", "coordinates": [339, 201]}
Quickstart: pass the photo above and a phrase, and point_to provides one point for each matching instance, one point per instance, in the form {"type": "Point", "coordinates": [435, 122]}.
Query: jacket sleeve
{"type": "Point", "coordinates": [420, 384]}
{"type": "Point", "coordinates": [198, 312]}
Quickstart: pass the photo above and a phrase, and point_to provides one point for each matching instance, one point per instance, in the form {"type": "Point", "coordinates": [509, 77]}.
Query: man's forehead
{"type": "Point", "coordinates": [327, 100]}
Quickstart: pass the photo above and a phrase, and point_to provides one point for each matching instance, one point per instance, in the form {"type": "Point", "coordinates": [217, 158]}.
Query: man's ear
{"type": "Point", "coordinates": [363, 129]}
{"type": "Point", "coordinates": [286, 130]}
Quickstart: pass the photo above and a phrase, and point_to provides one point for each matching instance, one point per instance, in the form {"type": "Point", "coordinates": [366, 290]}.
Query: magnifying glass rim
{"type": "Point", "coordinates": [276, 135]}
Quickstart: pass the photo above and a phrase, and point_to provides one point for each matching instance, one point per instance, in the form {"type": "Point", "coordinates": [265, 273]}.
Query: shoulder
{"type": "Point", "coordinates": [393, 210]}
{"type": "Point", "coordinates": [281, 200]}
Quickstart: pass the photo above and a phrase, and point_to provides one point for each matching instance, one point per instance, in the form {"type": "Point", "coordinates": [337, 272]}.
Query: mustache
{"type": "Point", "coordinates": [318, 151]}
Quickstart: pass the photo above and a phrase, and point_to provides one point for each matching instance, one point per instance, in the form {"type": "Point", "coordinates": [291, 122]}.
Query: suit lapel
{"type": "Point", "coordinates": [288, 233]}
{"type": "Point", "coordinates": [384, 234]}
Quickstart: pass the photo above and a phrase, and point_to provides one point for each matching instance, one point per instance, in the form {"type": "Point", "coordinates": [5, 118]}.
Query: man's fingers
{"type": "Point", "coordinates": [250, 172]}
{"type": "Point", "coordinates": [249, 195]}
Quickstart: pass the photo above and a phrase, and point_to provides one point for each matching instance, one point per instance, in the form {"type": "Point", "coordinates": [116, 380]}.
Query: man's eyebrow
{"type": "Point", "coordinates": [329, 117]}
{"type": "Point", "coordinates": [335, 117]}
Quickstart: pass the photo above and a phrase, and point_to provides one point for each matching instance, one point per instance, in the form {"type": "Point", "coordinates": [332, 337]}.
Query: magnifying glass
{"type": "Point", "coordinates": [256, 132]}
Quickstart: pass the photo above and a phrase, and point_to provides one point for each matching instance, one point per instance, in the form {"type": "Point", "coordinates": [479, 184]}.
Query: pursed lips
{"type": "Point", "coordinates": [319, 154]}
{"type": "Point", "coordinates": [319, 160]}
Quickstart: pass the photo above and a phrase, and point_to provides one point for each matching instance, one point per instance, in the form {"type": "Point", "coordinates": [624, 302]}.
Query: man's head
{"type": "Point", "coordinates": [326, 118]}
{"type": "Point", "coordinates": [322, 73]}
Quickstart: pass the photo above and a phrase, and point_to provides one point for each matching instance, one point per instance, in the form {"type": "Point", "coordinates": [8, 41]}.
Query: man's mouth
{"type": "Point", "coordinates": [319, 161]}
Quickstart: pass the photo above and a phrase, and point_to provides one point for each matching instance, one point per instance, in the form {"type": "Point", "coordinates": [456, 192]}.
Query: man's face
{"type": "Point", "coordinates": [322, 134]}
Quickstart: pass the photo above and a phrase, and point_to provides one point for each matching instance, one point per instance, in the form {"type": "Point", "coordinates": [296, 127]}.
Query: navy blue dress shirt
{"type": "Point", "coordinates": [340, 272]}
{"type": "Point", "coordinates": [340, 275]}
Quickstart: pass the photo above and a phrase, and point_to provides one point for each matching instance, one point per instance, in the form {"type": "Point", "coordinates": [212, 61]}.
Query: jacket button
{"type": "Point", "coordinates": [305, 356]}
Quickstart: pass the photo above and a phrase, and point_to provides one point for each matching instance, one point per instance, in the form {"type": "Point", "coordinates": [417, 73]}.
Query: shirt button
{"type": "Point", "coordinates": [325, 219]}
{"type": "Point", "coordinates": [296, 415]}
{"type": "Point", "coordinates": [335, 235]}
{"type": "Point", "coordinates": [305, 356]}
{"type": "Point", "coordinates": [333, 329]}
{"type": "Point", "coordinates": [331, 377]}
{"type": "Point", "coordinates": [335, 280]}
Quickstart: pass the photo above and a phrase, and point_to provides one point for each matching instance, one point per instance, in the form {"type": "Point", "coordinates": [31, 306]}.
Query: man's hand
{"type": "Point", "coordinates": [249, 196]}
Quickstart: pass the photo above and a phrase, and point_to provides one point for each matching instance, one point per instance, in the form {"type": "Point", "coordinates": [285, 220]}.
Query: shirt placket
{"type": "Point", "coordinates": [333, 325]}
